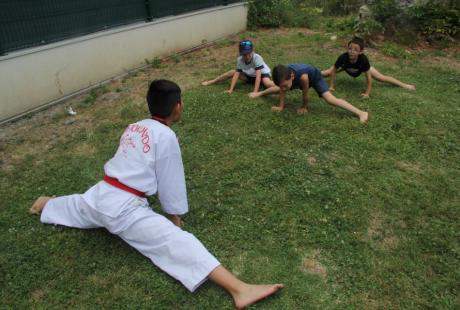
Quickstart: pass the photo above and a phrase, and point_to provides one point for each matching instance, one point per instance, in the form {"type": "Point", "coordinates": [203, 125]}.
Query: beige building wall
{"type": "Point", "coordinates": [33, 78]}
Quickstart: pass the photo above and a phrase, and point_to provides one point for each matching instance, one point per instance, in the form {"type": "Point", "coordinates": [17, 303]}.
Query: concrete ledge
{"type": "Point", "coordinates": [34, 78]}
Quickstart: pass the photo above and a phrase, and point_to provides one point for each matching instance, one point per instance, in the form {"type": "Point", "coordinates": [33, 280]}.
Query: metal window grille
{"type": "Point", "coordinates": [29, 23]}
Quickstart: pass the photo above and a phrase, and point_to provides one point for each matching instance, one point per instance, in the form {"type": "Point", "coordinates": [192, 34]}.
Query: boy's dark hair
{"type": "Point", "coordinates": [281, 73]}
{"type": "Point", "coordinates": [162, 97]}
{"type": "Point", "coordinates": [357, 40]}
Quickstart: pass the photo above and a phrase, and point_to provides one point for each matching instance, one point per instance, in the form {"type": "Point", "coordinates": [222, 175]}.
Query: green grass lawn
{"type": "Point", "coordinates": [347, 216]}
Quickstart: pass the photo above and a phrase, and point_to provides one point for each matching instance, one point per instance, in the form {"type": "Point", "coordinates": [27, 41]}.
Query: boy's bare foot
{"type": "Point", "coordinates": [254, 94]}
{"type": "Point", "coordinates": [409, 87]}
{"type": "Point", "coordinates": [252, 294]}
{"type": "Point", "coordinates": [277, 109]}
{"type": "Point", "coordinates": [206, 83]}
{"type": "Point", "coordinates": [39, 204]}
{"type": "Point", "coordinates": [364, 117]}
{"type": "Point", "coordinates": [302, 110]}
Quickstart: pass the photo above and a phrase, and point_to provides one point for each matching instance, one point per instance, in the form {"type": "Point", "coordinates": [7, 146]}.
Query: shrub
{"type": "Point", "coordinates": [267, 13]}
{"type": "Point", "coordinates": [367, 28]}
{"type": "Point", "coordinates": [436, 18]}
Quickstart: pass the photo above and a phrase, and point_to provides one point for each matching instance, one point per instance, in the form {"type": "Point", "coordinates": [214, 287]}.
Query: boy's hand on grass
{"type": "Point", "coordinates": [332, 89]}
{"type": "Point", "coordinates": [277, 109]}
{"type": "Point", "coordinates": [177, 220]}
{"type": "Point", "coordinates": [365, 95]}
{"type": "Point", "coordinates": [228, 91]}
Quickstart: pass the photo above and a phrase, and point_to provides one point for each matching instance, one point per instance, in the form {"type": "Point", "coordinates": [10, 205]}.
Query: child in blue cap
{"type": "Point", "coordinates": [250, 68]}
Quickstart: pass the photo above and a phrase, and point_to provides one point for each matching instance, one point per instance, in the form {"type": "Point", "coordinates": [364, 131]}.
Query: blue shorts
{"type": "Point", "coordinates": [320, 86]}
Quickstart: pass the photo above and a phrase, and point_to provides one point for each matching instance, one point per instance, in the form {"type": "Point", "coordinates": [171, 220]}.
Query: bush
{"type": "Point", "coordinates": [435, 18]}
{"type": "Point", "coordinates": [267, 13]}
{"type": "Point", "coordinates": [367, 27]}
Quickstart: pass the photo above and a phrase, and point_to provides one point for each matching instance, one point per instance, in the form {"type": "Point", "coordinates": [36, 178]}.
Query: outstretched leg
{"type": "Point", "coordinates": [331, 99]}
{"type": "Point", "coordinates": [388, 79]}
{"type": "Point", "coordinates": [65, 210]}
{"type": "Point", "coordinates": [225, 76]}
{"type": "Point", "coordinates": [243, 294]}
{"type": "Point", "coordinates": [184, 257]}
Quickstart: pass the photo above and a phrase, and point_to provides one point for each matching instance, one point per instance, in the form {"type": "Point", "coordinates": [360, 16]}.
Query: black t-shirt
{"type": "Point", "coordinates": [353, 69]}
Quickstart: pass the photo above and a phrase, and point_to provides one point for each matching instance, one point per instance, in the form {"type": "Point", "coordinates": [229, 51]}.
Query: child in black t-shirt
{"type": "Point", "coordinates": [354, 62]}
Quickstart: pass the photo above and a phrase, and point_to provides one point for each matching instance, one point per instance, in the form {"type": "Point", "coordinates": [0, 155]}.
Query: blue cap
{"type": "Point", "coordinates": [246, 47]}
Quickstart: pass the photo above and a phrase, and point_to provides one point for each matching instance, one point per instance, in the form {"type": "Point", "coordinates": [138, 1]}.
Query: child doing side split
{"type": "Point", "coordinates": [250, 68]}
{"type": "Point", "coordinates": [148, 161]}
{"type": "Point", "coordinates": [303, 76]}
{"type": "Point", "coordinates": [354, 62]}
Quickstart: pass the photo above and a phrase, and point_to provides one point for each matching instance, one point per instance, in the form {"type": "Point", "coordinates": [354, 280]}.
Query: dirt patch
{"type": "Point", "coordinates": [369, 303]}
{"type": "Point", "coordinates": [38, 294]}
{"type": "Point", "coordinates": [312, 160]}
{"type": "Point", "coordinates": [438, 61]}
{"type": "Point", "coordinates": [409, 166]}
{"type": "Point", "coordinates": [380, 234]}
{"type": "Point", "coordinates": [311, 265]}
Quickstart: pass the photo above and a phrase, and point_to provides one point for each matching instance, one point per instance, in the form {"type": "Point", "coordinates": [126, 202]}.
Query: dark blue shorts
{"type": "Point", "coordinates": [320, 86]}
{"type": "Point", "coordinates": [252, 79]}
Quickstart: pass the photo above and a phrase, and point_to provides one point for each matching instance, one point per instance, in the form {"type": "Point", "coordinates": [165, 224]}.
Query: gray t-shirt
{"type": "Point", "coordinates": [257, 62]}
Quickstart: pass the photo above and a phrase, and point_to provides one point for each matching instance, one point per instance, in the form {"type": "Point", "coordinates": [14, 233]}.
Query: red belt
{"type": "Point", "coordinates": [126, 188]}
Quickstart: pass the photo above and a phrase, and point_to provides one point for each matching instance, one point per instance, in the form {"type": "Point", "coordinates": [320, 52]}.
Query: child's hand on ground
{"type": "Point", "coordinates": [228, 91]}
{"type": "Point", "coordinates": [253, 94]}
{"type": "Point", "coordinates": [332, 89]}
{"type": "Point", "coordinates": [365, 95]}
{"type": "Point", "coordinates": [277, 109]}
{"type": "Point", "coordinates": [302, 110]}
{"type": "Point", "coordinates": [177, 220]}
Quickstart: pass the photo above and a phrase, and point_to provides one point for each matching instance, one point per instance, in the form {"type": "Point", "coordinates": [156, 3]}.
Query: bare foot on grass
{"type": "Point", "coordinates": [277, 109]}
{"type": "Point", "coordinates": [39, 204]}
{"type": "Point", "coordinates": [253, 95]}
{"type": "Point", "coordinates": [409, 87]}
{"type": "Point", "coordinates": [206, 83]}
{"type": "Point", "coordinates": [364, 118]}
{"type": "Point", "coordinates": [252, 294]}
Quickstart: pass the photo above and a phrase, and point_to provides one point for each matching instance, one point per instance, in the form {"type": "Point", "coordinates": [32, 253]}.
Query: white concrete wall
{"type": "Point", "coordinates": [33, 78]}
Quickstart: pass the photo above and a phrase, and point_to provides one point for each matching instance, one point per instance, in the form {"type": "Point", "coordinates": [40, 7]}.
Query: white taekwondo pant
{"type": "Point", "coordinates": [128, 216]}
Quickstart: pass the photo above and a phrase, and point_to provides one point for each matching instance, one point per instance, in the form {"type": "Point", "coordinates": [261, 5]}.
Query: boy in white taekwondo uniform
{"type": "Point", "coordinates": [148, 161]}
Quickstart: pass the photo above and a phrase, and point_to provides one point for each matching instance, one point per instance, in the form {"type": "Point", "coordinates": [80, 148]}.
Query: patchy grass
{"type": "Point", "coordinates": [347, 216]}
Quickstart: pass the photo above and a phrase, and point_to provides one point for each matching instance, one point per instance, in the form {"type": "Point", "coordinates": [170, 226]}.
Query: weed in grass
{"type": "Point", "coordinates": [225, 43]}
{"type": "Point", "coordinates": [155, 63]}
{"type": "Point", "coordinates": [176, 58]}
{"type": "Point", "coordinates": [133, 73]}
{"type": "Point", "coordinates": [130, 112]}
{"type": "Point", "coordinates": [89, 99]}
{"type": "Point", "coordinates": [394, 50]}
